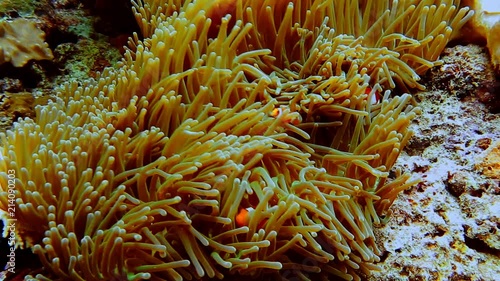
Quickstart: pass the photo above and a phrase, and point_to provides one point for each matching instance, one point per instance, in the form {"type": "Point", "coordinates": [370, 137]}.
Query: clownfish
{"type": "Point", "coordinates": [375, 98]}
{"type": "Point", "coordinates": [289, 118]}
{"type": "Point", "coordinates": [244, 215]}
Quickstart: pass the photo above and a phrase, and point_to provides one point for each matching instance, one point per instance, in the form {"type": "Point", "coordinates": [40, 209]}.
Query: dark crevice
{"type": "Point", "coordinates": [480, 246]}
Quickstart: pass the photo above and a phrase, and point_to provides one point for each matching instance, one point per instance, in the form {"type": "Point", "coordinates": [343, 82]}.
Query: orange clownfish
{"type": "Point", "coordinates": [375, 98]}
{"type": "Point", "coordinates": [289, 118]}
{"type": "Point", "coordinates": [244, 215]}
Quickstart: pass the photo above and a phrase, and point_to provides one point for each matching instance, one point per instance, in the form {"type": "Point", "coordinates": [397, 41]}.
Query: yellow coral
{"type": "Point", "coordinates": [21, 41]}
{"type": "Point", "coordinates": [484, 27]}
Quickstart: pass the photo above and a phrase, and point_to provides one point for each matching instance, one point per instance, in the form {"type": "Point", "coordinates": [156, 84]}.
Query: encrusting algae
{"type": "Point", "coordinates": [280, 108]}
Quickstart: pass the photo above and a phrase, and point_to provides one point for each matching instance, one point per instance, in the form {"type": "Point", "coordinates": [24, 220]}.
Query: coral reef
{"type": "Point", "coordinates": [79, 52]}
{"type": "Point", "coordinates": [447, 226]}
{"type": "Point", "coordinates": [21, 41]}
{"type": "Point", "coordinates": [22, 105]}
{"type": "Point", "coordinates": [467, 73]}
{"type": "Point", "coordinates": [142, 172]}
{"type": "Point", "coordinates": [490, 164]}
{"type": "Point", "coordinates": [24, 7]}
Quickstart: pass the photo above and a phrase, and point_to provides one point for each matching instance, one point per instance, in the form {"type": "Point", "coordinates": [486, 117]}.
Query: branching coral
{"type": "Point", "coordinates": [141, 173]}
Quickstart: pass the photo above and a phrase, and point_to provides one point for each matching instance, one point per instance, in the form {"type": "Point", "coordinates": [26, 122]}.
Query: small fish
{"type": "Point", "coordinates": [375, 98]}
{"type": "Point", "coordinates": [244, 215]}
{"type": "Point", "coordinates": [286, 115]}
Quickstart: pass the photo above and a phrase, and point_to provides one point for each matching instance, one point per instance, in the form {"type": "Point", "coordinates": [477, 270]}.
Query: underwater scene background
{"type": "Point", "coordinates": [250, 140]}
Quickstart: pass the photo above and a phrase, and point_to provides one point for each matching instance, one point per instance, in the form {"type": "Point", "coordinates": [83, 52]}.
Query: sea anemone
{"type": "Point", "coordinates": [141, 173]}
